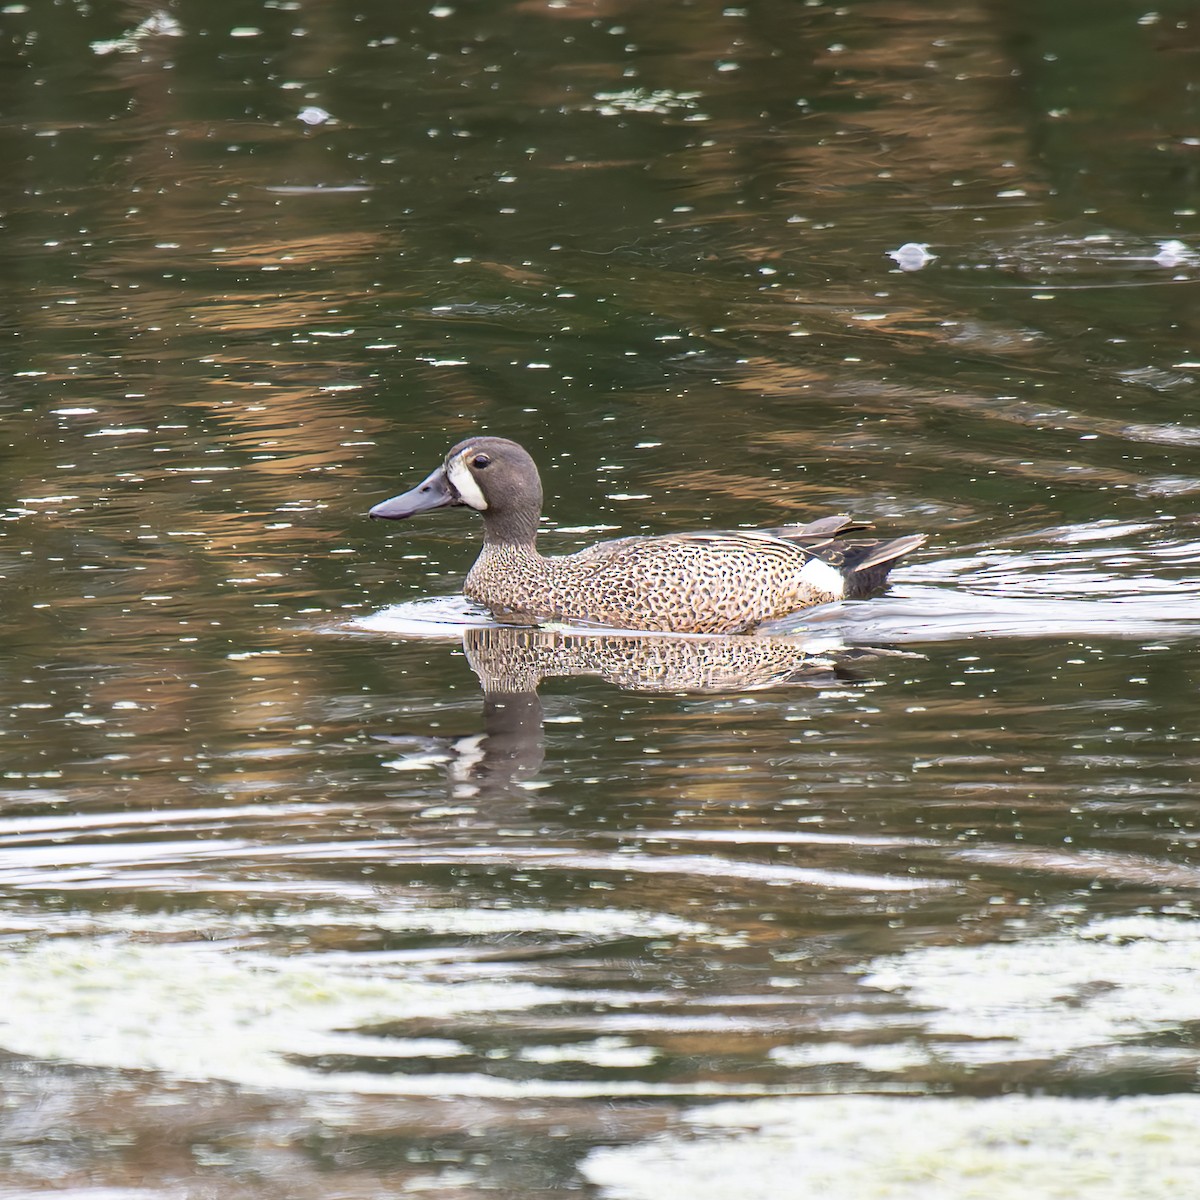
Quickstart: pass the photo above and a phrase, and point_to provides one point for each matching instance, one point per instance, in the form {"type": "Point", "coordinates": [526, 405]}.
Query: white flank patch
{"type": "Point", "coordinates": [823, 578]}
{"type": "Point", "coordinates": [464, 483]}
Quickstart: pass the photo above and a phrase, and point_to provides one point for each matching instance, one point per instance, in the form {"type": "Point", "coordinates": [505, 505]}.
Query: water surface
{"type": "Point", "coordinates": [314, 881]}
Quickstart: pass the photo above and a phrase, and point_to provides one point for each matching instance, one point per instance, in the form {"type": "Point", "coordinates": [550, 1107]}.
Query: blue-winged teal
{"type": "Point", "coordinates": [725, 582]}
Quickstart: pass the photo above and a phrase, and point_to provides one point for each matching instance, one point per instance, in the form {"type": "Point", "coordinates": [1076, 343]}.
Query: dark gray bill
{"type": "Point", "coordinates": [434, 492]}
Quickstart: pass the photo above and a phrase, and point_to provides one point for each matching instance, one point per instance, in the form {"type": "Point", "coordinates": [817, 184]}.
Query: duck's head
{"type": "Point", "coordinates": [492, 475]}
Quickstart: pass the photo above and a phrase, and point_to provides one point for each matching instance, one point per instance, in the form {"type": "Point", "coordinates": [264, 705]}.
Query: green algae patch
{"type": "Point", "coordinates": [202, 1012]}
{"type": "Point", "coordinates": [1117, 983]}
{"type": "Point", "coordinates": [916, 1148]}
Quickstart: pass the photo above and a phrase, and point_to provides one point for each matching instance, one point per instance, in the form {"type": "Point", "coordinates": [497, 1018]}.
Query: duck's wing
{"type": "Point", "coordinates": [709, 539]}
{"type": "Point", "coordinates": [809, 538]}
{"type": "Point", "coordinates": [823, 529]}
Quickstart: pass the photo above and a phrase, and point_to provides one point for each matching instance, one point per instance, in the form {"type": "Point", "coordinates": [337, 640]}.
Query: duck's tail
{"type": "Point", "coordinates": [865, 565]}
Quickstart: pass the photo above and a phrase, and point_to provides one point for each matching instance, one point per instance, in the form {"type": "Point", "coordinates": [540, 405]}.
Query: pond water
{"type": "Point", "coordinates": [316, 882]}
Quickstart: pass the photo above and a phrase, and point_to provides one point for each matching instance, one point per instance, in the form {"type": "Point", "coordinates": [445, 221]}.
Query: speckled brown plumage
{"type": "Point", "coordinates": [673, 584]}
{"type": "Point", "coordinates": [713, 583]}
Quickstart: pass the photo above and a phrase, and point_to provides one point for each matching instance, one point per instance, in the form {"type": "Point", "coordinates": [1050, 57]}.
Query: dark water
{"type": "Point", "coordinates": [310, 886]}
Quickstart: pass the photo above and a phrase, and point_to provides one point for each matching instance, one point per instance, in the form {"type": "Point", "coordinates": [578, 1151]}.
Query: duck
{"type": "Point", "coordinates": [711, 582]}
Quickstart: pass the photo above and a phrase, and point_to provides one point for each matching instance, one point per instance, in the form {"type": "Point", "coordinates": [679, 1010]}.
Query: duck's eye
{"type": "Point", "coordinates": [480, 461]}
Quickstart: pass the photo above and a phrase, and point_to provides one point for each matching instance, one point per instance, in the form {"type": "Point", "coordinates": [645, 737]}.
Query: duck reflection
{"type": "Point", "coordinates": [516, 660]}
{"type": "Point", "coordinates": [512, 662]}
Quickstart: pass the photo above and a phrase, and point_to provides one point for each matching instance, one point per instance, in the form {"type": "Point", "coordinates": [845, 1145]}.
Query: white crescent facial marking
{"type": "Point", "coordinates": [824, 578]}
{"type": "Point", "coordinates": [464, 483]}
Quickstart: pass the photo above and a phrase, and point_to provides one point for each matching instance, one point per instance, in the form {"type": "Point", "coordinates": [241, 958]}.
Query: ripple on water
{"type": "Point", "coordinates": [435, 617]}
